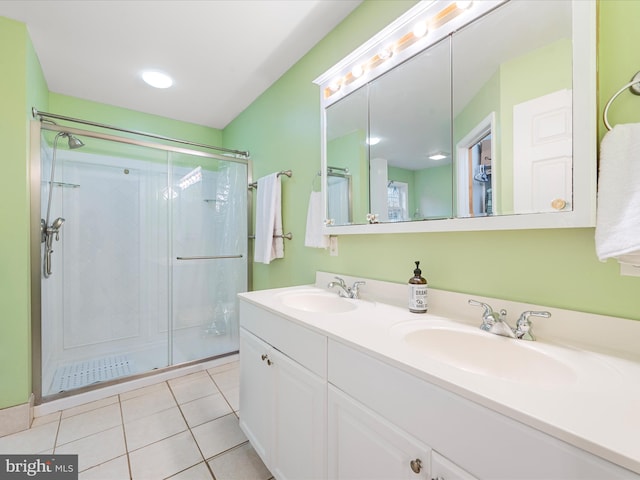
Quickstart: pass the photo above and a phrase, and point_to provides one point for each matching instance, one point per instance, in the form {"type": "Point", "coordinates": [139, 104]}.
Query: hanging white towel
{"type": "Point", "coordinates": [618, 211]}
{"type": "Point", "coordinates": [313, 236]}
{"type": "Point", "coordinates": [269, 244]}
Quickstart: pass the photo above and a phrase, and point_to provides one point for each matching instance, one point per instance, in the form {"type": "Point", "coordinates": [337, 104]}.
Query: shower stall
{"type": "Point", "coordinates": [143, 248]}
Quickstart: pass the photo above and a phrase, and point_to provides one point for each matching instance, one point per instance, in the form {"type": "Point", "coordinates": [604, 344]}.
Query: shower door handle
{"type": "Point", "coordinates": [215, 257]}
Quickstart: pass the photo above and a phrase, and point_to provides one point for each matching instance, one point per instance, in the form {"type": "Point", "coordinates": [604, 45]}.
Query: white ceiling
{"type": "Point", "coordinates": [222, 54]}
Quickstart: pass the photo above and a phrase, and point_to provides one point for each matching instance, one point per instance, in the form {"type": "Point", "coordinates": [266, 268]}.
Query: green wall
{"type": "Point", "coordinates": [282, 131]}
{"type": "Point", "coordinates": [549, 267]}
{"type": "Point", "coordinates": [25, 86]}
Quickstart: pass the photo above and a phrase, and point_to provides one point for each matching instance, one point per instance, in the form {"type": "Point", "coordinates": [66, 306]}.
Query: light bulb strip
{"type": "Point", "coordinates": [439, 19]}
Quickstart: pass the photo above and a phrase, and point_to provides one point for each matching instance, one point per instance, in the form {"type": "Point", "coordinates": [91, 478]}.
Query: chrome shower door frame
{"type": "Point", "coordinates": [35, 180]}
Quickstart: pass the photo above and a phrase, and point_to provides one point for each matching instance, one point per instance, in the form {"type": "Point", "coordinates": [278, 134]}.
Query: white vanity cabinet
{"type": "Point", "coordinates": [283, 394]}
{"type": "Point", "coordinates": [364, 446]}
{"type": "Point", "coordinates": [466, 440]}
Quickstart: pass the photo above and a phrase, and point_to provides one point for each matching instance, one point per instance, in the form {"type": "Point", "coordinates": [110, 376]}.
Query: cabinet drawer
{"type": "Point", "coordinates": [481, 441]}
{"type": "Point", "coordinates": [306, 347]}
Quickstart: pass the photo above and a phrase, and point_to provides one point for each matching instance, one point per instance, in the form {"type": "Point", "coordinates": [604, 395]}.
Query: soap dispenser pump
{"type": "Point", "coordinates": [417, 291]}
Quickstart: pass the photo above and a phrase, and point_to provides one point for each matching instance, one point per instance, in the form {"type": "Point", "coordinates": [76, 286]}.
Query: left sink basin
{"type": "Point", "coordinates": [318, 301]}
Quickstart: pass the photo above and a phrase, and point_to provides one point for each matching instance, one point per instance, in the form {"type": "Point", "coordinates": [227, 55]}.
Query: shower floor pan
{"type": "Point", "coordinates": [80, 374]}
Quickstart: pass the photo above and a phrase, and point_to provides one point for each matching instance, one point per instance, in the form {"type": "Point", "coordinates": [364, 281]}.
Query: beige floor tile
{"type": "Point", "coordinates": [164, 458]}
{"type": "Point", "coordinates": [35, 440]}
{"type": "Point", "coordinates": [192, 387]}
{"type": "Point", "coordinates": [52, 417]}
{"type": "Point", "coordinates": [233, 397]}
{"type": "Point", "coordinates": [116, 469]}
{"type": "Point", "coordinates": [228, 379]}
{"type": "Point", "coordinates": [88, 423]}
{"type": "Point", "coordinates": [150, 429]}
{"type": "Point", "coordinates": [152, 402]}
{"type": "Point", "coordinates": [224, 367]}
{"type": "Point", "coordinates": [85, 407]}
{"type": "Point", "coordinates": [198, 472]}
{"type": "Point", "coordinates": [96, 449]}
{"type": "Point", "coordinates": [205, 409]}
{"type": "Point", "coordinates": [218, 435]}
{"type": "Point", "coordinates": [240, 463]}
{"type": "Point", "coordinates": [143, 391]}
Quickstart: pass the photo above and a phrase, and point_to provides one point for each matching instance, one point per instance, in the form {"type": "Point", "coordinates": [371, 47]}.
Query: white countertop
{"type": "Point", "coordinates": [597, 410]}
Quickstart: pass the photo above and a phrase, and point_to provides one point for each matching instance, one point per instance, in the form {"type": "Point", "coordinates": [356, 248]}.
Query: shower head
{"type": "Point", "coordinates": [74, 142]}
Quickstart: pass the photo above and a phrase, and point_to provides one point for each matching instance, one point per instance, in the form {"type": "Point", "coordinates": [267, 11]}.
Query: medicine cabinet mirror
{"type": "Point", "coordinates": [486, 121]}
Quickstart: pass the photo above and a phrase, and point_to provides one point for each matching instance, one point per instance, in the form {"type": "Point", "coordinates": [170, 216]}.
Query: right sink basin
{"type": "Point", "coordinates": [488, 354]}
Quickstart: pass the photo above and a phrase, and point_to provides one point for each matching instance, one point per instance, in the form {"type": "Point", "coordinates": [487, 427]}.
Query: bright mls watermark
{"type": "Point", "coordinates": [50, 467]}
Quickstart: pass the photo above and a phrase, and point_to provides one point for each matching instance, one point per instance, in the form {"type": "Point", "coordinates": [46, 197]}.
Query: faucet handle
{"type": "Point", "coordinates": [355, 289]}
{"type": "Point", "coordinates": [523, 325]}
{"type": "Point", "coordinates": [340, 282]}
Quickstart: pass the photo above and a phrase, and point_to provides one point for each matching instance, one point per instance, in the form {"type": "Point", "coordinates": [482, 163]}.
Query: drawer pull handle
{"type": "Point", "coordinates": [264, 357]}
{"type": "Point", "coordinates": [416, 465]}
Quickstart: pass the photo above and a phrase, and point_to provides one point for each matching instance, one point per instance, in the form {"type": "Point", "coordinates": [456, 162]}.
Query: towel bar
{"type": "Point", "coordinates": [288, 173]}
{"type": "Point", "coordinates": [633, 86]}
{"type": "Point", "coordinates": [288, 236]}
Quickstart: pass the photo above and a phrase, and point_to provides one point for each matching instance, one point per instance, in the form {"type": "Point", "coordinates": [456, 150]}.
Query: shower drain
{"type": "Point", "coordinates": [83, 373]}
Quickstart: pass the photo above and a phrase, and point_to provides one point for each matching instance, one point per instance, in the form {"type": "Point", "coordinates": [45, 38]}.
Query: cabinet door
{"type": "Point", "coordinates": [363, 445]}
{"type": "Point", "coordinates": [256, 394]}
{"type": "Point", "coordinates": [444, 469]}
{"type": "Point", "coordinates": [300, 421]}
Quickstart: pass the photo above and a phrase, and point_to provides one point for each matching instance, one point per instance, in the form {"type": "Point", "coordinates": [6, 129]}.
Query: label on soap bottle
{"type": "Point", "coordinates": [418, 298]}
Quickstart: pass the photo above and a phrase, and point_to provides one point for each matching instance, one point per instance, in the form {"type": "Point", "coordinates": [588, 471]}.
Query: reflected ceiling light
{"type": "Point", "coordinates": [357, 71]}
{"type": "Point", "coordinates": [463, 4]}
{"type": "Point", "coordinates": [437, 156]}
{"type": "Point", "coordinates": [420, 29]}
{"type": "Point", "coordinates": [373, 140]}
{"type": "Point", "coordinates": [191, 178]}
{"type": "Point", "coordinates": [157, 79]}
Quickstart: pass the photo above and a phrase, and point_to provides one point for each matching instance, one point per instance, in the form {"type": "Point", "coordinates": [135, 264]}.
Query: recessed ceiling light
{"type": "Point", "coordinates": [437, 156]}
{"type": "Point", "coordinates": [157, 79]}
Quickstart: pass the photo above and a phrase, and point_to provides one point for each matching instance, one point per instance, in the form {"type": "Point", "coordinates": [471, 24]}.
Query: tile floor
{"type": "Point", "coordinates": [185, 428]}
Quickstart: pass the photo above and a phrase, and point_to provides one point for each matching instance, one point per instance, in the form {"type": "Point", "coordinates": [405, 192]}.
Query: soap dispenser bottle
{"type": "Point", "coordinates": [417, 291]}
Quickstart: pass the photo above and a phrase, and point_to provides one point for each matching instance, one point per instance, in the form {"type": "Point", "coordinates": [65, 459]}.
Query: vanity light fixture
{"type": "Point", "coordinates": [400, 40]}
{"type": "Point", "coordinates": [385, 53]}
{"type": "Point", "coordinates": [463, 4]}
{"type": "Point", "coordinates": [373, 140]}
{"type": "Point", "coordinates": [157, 79]}
{"type": "Point", "coordinates": [437, 156]}
{"type": "Point", "coordinates": [420, 29]}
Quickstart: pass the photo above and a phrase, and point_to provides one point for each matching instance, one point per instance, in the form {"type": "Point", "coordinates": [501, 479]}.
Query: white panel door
{"type": "Point", "coordinates": [364, 446]}
{"type": "Point", "coordinates": [542, 153]}
{"type": "Point", "coordinates": [300, 410]}
{"type": "Point", "coordinates": [443, 469]}
{"type": "Point", "coordinates": [256, 394]}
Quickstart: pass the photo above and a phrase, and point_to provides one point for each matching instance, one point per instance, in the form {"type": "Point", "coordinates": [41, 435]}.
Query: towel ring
{"type": "Point", "coordinates": [633, 86]}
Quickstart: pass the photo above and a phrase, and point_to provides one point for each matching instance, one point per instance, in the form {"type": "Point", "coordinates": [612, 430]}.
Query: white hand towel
{"type": "Point", "coordinates": [268, 247]}
{"type": "Point", "coordinates": [618, 210]}
{"type": "Point", "coordinates": [313, 236]}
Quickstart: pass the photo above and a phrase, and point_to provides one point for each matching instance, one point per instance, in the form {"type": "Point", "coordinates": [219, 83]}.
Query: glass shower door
{"type": "Point", "coordinates": [208, 255]}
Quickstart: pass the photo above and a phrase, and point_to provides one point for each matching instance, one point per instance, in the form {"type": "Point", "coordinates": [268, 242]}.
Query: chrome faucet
{"type": "Point", "coordinates": [344, 291]}
{"type": "Point", "coordinates": [523, 325]}
{"type": "Point", "coordinates": [493, 322]}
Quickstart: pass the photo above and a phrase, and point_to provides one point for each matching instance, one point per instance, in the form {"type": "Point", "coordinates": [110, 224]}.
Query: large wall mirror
{"type": "Point", "coordinates": [488, 123]}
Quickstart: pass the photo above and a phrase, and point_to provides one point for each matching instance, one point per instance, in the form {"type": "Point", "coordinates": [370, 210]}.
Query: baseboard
{"type": "Point", "coordinates": [17, 418]}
